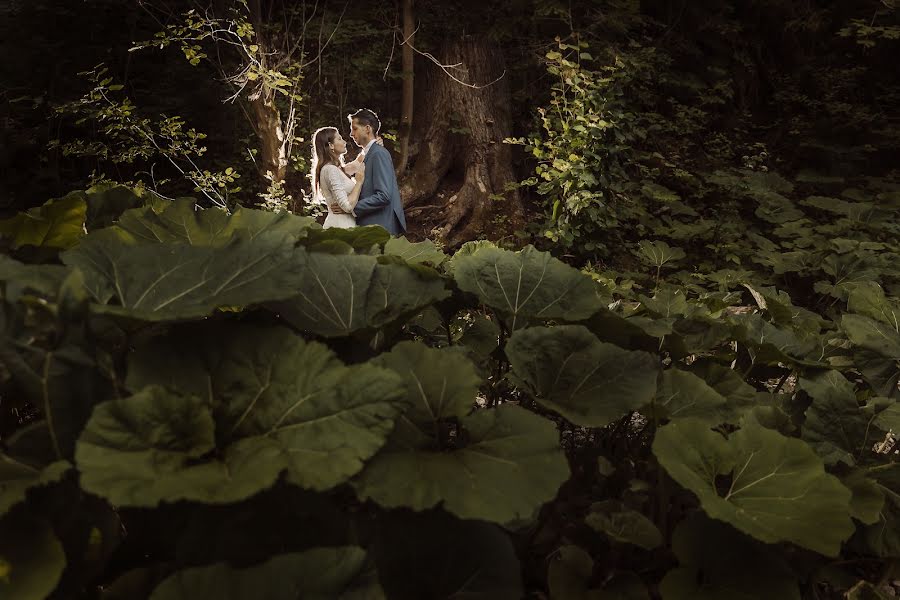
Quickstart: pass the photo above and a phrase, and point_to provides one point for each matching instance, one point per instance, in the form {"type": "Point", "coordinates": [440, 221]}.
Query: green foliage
{"type": "Point", "coordinates": [200, 368]}
{"type": "Point", "coordinates": [778, 488]}
{"type": "Point", "coordinates": [585, 135]}
{"type": "Point", "coordinates": [319, 574]}
{"type": "Point", "coordinates": [126, 137]}
{"type": "Point", "coordinates": [58, 223]}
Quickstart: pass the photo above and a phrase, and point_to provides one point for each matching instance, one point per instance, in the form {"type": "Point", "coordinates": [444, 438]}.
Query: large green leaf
{"type": "Point", "coordinates": [570, 371]}
{"type": "Point", "coordinates": [341, 294]}
{"type": "Point", "coordinates": [681, 394]}
{"type": "Point", "coordinates": [59, 223]}
{"type": "Point", "coordinates": [868, 497]}
{"type": "Point", "coordinates": [667, 302]}
{"type": "Point", "coordinates": [182, 221]}
{"type": "Point", "coordinates": [837, 428]}
{"type": "Point", "coordinates": [439, 383]}
{"type": "Point", "coordinates": [105, 204]}
{"type": "Point", "coordinates": [570, 576]}
{"type": "Point", "coordinates": [31, 558]}
{"type": "Point", "coordinates": [505, 466]}
{"type": "Point", "coordinates": [658, 253]}
{"type": "Point", "coordinates": [320, 574]}
{"type": "Point", "coordinates": [154, 281]}
{"type": "Point", "coordinates": [326, 417]}
{"type": "Point", "coordinates": [526, 284]}
{"type": "Point", "coordinates": [362, 240]}
{"type": "Point", "coordinates": [882, 537]}
{"type": "Point", "coordinates": [778, 209]}
{"type": "Point", "coordinates": [434, 555]}
{"type": "Point", "coordinates": [624, 525]}
{"type": "Point", "coordinates": [64, 384]}
{"type": "Point", "coordinates": [782, 310]}
{"type": "Point", "coordinates": [869, 300]}
{"type": "Point", "coordinates": [741, 396]}
{"type": "Point", "coordinates": [156, 446]}
{"type": "Point", "coordinates": [19, 278]}
{"type": "Point", "coordinates": [718, 563]}
{"type": "Point", "coordinates": [772, 344]}
{"type": "Point", "coordinates": [418, 252]}
{"type": "Point", "coordinates": [873, 335]}
{"type": "Point", "coordinates": [778, 488]}
{"type": "Point", "coordinates": [17, 477]}
{"type": "Point", "coordinates": [881, 372]}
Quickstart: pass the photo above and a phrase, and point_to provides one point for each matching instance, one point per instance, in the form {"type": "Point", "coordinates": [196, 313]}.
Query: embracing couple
{"type": "Point", "coordinates": [363, 192]}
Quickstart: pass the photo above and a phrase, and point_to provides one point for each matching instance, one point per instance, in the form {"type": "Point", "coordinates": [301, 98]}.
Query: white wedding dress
{"type": "Point", "coordinates": [335, 187]}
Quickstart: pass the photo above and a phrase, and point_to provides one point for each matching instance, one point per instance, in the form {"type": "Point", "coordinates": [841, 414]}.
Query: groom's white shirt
{"type": "Point", "coordinates": [365, 151]}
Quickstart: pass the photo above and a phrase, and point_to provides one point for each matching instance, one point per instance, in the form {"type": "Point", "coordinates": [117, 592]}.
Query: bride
{"type": "Point", "coordinates": [329, 180]}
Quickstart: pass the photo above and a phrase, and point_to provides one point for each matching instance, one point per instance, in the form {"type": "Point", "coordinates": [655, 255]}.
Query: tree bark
{"type": "Point", "coordinates": [461, 149]}
{"type": "Point", "coordinates": [406, 107]}
{"type": "Point", "coordinates": [272, 163]}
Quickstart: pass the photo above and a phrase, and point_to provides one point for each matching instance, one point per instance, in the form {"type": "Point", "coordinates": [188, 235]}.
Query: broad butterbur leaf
{"type": "Point", "coordinates": [778, 488]}
{"type": "Point", "coordinates": [31, 558]}
{"type": "Point", "coordinates": [361, 240]}
{"type": "Point", "coordinates": [835, 426]}
{"type": "Point", "coordinates": [156, 446]}
{"type": "Point", "coordinates": [154, 281]}
{"type": "Point", "coordinates": [526, 285]}
{"type": "Point", "coordinates": [105, 204]}
{"type": "Point", "coordinates": [667, 303]}
{"type": "Point", "coordinates": [19, 278]}
{"type": "Point", "coordinates": [340, 294]}
{"type": "Point", "coordinates": [589, 382]}
{"type": "Point", "coordinates": [882, 538]}
{"type": "Point", "coordinates": [338, 573]}
{"type": "Point", "coordinates": [327, 418]}
{"type": "Point", "coordinates": [571, 571]}
{"type": "Point", "coordinates": [439, 383]}
{"type": "Point", "coordinates": [624, 525]}
{"type": "Point", "coordinates": [17, 477]}
{"type": "Point", "coordinates": [418, 252]}
{"type": "Point", "coordinates": [681, 394]}
{"type": "Point", "coordinates": [59, 223]}
{"type": "Point", "coordinates": [508, 466]}
{"type": "Point", "coordinates": [182, 221]}
{"type": "Point", "coordinates": [873, 335]}
{"type": "Point", "coordinates": [658, 253]}
{"type": "Point", "coordinates": [718, 563]}
{"type": "Point", "coordinates": [869, 300]}
{"type": "Point", "coordinates": [868, 496]}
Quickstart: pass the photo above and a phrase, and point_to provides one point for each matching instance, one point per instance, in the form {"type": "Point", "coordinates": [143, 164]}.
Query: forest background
{"type": "Point", "coordinates": [654, 243]}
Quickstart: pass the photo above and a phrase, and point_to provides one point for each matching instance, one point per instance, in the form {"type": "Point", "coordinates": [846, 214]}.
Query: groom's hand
{"type": "Point", "coordinates": [336, 209]}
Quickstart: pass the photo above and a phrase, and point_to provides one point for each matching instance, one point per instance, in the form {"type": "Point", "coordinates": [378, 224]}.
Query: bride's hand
{"type": "Point", "coordinates": [360, 176]}
{"type": "Point", "coordinates": [379, 140]}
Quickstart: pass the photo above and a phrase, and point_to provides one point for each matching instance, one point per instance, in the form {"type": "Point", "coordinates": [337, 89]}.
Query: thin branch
{"type": "Point", "coordinates": [328, 41]}
{"type": "Point", "coordinates": [445, 68]}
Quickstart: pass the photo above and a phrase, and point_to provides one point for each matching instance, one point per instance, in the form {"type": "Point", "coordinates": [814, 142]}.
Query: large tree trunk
{"type": "Point", "coordinates": [462, 167]}
{"type": "Point", "coordinates": [272, 163]}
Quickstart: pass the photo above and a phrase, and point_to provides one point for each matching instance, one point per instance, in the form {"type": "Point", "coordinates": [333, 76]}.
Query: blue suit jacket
{"type": "Point", "coordinates": [379, 200]}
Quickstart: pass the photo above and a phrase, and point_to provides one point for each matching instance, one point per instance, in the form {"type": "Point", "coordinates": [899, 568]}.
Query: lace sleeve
{"type": "Point", "coordinates": [333, 180]}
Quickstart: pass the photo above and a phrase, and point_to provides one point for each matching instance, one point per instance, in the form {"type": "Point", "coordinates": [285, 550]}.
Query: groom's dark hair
{"type": "Point", "coordinates": [366, 117]}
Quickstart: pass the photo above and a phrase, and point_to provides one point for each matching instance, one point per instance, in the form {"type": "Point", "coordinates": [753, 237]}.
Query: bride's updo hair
{"type": "Point", "coordinates": [321, 156]}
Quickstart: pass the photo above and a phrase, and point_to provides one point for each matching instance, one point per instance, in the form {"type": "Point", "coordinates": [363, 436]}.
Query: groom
{"type": "Point", "coordinates": [379, 200]}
